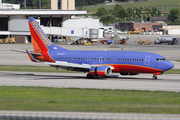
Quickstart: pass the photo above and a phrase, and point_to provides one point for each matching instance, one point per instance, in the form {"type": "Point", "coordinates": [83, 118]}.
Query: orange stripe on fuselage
{"type": "Point", "coordinates": [132, 68]}
{"type": "Point", "coordinates": [92, 73]}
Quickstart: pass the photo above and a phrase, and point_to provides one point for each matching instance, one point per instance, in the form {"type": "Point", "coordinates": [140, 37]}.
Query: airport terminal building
{"type": "Point", "coordinates": [59, 22]}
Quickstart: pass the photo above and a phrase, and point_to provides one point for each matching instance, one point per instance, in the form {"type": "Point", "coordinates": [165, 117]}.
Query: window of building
{"type": "Point", "coordinates": [59, 4]}
{"type": "Point", "coordinates": [4, 24]}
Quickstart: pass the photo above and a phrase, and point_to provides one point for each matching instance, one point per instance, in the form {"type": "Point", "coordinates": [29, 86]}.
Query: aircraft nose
{"type": "Point", "coordinates": [169, 65]}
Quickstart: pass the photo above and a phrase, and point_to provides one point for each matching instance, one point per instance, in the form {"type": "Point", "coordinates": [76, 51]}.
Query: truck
{"type": "Point", "coordinates": [133, 31]}
{"type": "Point", "coordinates": [168, 40]}
{"type": "Point", "coordinates": [146, 42]}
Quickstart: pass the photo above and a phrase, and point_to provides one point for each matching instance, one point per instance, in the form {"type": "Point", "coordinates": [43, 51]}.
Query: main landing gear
{"type": "Point", "coordinates": [89, 76]}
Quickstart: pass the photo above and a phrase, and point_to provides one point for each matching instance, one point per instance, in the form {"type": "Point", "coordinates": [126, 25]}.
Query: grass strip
{"type": "Point", "coordinates": [52, 69]}
{"type": "Point", "coordinates": [88, 100]}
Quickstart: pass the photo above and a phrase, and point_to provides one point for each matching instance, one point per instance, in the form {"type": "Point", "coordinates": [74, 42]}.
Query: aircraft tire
{"type": "Point", "coordinates": [154, 77]}
{"type": "Point", "coordinates": [89, 76]}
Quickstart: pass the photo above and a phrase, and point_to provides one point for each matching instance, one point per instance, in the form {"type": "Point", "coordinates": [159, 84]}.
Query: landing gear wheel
{"type": "Point", "coordinates": [154, 77]}
{"type": "Point", "coordinates": [89, 76]}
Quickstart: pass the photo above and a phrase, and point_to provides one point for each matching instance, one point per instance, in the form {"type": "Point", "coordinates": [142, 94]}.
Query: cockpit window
{"type": "Point", "coordinates": [160, 59]}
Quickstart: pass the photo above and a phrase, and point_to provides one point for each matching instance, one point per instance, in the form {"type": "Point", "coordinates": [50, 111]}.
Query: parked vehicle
{"type": "Point", "coordinates": [133, 31]}
{"type": "Point", "coordinates": [123, 37]}
{"type": "Point", "coordinates": [109, 41]}
{"type": "Point", "coordinates": [120, 32]}
{"type": "Point", "coordinates": [146, 42]}
{"type": "Point", "coordinates": [123, 42]}
{"type": "Point", "coordinates": [8, 40]}
{"type": "Point", "coordinates": [167, 40]}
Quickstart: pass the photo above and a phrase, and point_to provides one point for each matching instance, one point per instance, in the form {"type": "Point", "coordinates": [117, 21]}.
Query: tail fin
{"type": "Point", "coordinates": [39, 39]}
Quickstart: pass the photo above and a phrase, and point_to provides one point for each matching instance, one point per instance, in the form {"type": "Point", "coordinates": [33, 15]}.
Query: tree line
{"type": "Point", "coordinates": [111, 16]}
{"type": "Point", "coordinates": [135, 14]}
{"type": "Point", "coordinates": [45, 4]}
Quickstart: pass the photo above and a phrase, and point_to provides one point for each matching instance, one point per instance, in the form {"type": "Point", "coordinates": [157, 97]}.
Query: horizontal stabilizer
{"type": "Point", "coordinates": [25, 52]}
{"type": "Point", "coordinates": [18, 51]}
{"type": "Point", "coordinates": [32, 58]}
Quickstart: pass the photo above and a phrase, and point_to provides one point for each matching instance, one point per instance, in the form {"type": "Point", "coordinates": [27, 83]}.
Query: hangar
{"type": "Point", "coordinates": [59, 22]}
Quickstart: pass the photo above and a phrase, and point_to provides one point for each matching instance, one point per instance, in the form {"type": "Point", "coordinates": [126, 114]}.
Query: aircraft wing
{"type": "Point", "coordinates": [69, 66]}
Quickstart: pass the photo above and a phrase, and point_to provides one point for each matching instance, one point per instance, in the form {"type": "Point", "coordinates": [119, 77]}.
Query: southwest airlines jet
{"type": "Point", "coordinates": [95, 63]}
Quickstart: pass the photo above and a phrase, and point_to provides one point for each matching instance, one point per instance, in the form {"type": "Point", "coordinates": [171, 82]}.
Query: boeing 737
{"type": "Point", "coordinates": [95, 63]}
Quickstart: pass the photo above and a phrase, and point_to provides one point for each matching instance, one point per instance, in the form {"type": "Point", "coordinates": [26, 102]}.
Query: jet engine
{"type": "Point", "coordinates": [103, 71]}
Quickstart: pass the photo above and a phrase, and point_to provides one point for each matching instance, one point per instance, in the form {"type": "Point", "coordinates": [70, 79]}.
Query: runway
{"type": "Point", "coordinates": [166, 82]}
{"type": "Point", "coordinates": [38, 115]}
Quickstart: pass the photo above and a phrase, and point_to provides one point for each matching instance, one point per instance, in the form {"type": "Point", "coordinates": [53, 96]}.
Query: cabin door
{"type": "Point", "coordinates": [100, 59]}
{"type": "Point", "coordinates": [147, 60]}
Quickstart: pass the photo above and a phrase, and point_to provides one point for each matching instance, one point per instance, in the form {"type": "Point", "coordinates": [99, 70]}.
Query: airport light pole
{"type": "Point", "coordinates": [39, 4]}
{"type": "Point", "coordinates": [25, 4]}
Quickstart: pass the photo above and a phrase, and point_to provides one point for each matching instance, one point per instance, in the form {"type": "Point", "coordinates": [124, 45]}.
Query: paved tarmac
{"type": "Point", "coordinates": [170, 52]}
{"type": "Point", "coordinates": [78, 80]}
{"type": "Point", "coordinates": [141, 82]}
{"type": "Point", "coordinates": [37, 115]}
{"type": "Point", "coordinates": [166, 82]}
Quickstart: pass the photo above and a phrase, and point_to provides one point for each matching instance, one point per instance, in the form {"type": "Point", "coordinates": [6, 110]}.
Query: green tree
{"type": "Point", "coordinates": [119, 12]}
{"type": "Point", "coordinates": [129, 12]}
{"type": "Point", "coordinates": [155, 12]}
{"type": "Point", "coordinates": [174, 15]}
{"type": "Point", "coordinates": [101, 11]}
{"type": "Point", "coordinates": [106, 19]}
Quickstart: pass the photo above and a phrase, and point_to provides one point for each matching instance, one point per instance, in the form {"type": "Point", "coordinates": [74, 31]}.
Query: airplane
{"type": "Point", "coordinates": [95, 63]}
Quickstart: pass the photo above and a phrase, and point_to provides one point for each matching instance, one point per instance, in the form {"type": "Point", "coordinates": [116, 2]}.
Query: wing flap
{"type": "Point", "coordinates": [69, 66]}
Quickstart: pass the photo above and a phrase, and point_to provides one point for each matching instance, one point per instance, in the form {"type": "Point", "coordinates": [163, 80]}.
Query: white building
{"type": "Point", "coordinates": [54, 22]}
{"type": "Point", "coordinates": [9, 6]}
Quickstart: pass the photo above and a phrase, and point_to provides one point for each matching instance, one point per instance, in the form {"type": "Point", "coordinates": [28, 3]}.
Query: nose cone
{"type": "Point", "coordinates": [168, 65]}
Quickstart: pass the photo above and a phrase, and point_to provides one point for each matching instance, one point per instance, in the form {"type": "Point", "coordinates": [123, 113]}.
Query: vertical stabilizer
{"type": "Point", "coordinates": [39, 38]}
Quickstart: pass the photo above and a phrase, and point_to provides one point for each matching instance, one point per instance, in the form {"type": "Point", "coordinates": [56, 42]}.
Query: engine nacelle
{"type": "Point", "coordinates": [101, 71]}
{"type": "Point", "coordinates": [129, 73]}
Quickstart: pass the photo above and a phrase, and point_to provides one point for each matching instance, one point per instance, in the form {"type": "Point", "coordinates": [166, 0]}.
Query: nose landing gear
{"type": "Point", "coordinates": [154, 77]}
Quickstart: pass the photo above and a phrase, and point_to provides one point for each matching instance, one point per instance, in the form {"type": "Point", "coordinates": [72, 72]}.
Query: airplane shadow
{"type": "Point", "coordinates": [32, 76]}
